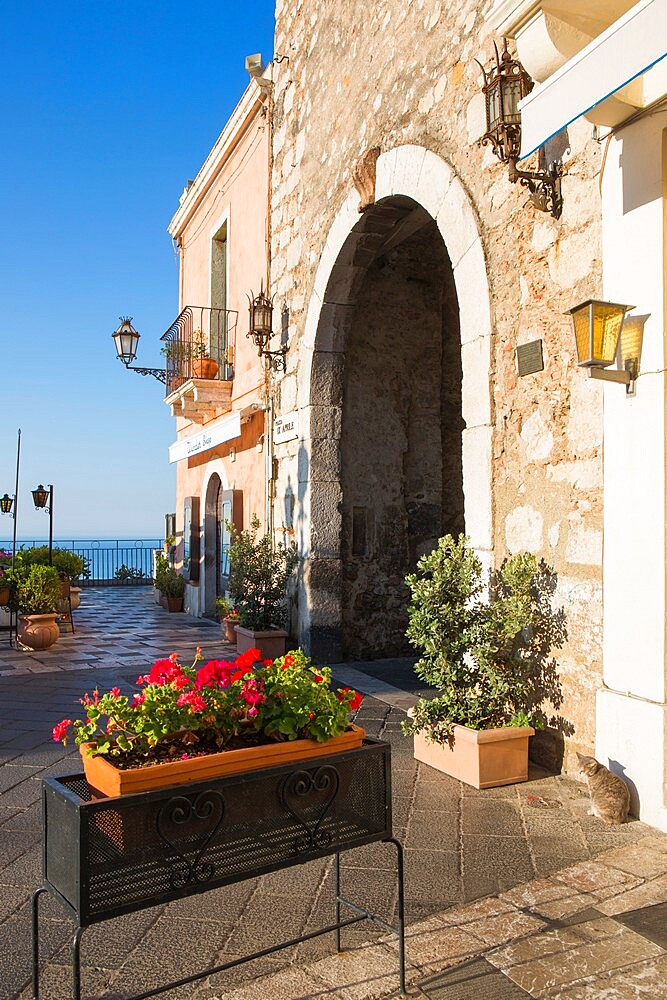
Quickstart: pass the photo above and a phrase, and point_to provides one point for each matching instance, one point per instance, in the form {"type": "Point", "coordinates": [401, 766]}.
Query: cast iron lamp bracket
{"type": "Point", "coordinates": [505, 86]}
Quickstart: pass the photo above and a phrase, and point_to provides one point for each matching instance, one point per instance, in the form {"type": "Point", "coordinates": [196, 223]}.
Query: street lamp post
{"type": "Point", "coordinates": [41, 497]}
{"type": "Point", "coordinates": [7, 502]}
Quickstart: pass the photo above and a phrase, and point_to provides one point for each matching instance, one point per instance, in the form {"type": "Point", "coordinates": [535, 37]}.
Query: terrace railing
{"type": "Point", "coordinates": [197, 334]}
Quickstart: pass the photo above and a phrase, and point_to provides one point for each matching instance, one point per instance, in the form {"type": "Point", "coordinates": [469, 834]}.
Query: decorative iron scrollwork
{"type": "Point", "coordinates": [308, 797]}
{"type": "Point", "coordinates": [198, 822]}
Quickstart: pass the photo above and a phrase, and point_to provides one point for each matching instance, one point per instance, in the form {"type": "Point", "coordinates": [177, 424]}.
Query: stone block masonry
{"type": "Point", "coordinates": [402, 77]}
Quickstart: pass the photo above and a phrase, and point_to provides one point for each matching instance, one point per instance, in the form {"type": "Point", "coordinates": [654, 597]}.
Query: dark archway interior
{"type": "Point", "coordinates": [401, 441]}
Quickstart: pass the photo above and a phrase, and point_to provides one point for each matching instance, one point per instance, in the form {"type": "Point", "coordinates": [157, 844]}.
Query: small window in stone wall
{"type": "Point", "coordinates": [359, 531]}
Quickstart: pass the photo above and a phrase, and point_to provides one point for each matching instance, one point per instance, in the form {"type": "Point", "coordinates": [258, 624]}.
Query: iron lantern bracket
{"type": "Point", "coordinates": [159, 373]}
{"type": "Point", "coordinates": [275, 360]}
{"type": "Point", "coordinates": [544, 186]}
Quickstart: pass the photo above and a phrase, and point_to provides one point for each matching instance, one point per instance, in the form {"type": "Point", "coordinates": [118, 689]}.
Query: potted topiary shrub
{"type": "Point", "coordinates": [487, 653]}
{"type": "Point", "coordinates": [258, 577]}
{"type": "Point", "coordinates": [38, 593]}
{"type": "Point", "coordinates": [229, 617]}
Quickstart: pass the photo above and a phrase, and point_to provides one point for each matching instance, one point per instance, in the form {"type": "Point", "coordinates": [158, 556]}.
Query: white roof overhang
{"type": "Point", "coordinates": [625, 51]}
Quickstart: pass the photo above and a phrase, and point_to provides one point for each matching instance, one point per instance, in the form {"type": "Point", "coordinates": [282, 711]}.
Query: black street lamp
{"type": "Point", "coordinates": [40, 498]}
{"type": "Point", "coordinates": [7, 502]}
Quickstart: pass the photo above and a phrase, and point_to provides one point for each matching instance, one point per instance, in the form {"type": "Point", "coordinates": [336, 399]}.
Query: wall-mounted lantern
{"type": "Point", "coordinates": [599, 328]}
{"type": "Point", "coordinates": [506, 84]}
{"type": "Point", "coordinates": [260, 330]}
{"type": "Point", "coordinates": [126, 339]}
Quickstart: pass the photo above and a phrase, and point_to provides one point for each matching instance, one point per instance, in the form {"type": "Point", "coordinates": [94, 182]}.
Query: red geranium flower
{"type": "Point", "coordinates": [60, 731]}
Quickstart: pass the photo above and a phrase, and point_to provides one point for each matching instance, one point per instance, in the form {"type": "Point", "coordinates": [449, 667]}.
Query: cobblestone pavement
{"type": "Point", "coordinates": [513, 891]}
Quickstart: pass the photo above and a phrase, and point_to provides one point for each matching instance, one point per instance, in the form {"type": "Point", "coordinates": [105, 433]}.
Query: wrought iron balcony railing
{"type": "Point", "coordinates": [200, 344]}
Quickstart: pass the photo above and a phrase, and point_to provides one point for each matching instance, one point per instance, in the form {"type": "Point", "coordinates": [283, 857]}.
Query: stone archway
{"type": "Point", "coordinates": [416, 184]}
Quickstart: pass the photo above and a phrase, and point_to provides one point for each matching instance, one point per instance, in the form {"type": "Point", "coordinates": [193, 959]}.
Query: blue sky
{"type": "Point", "coordinates": [108, 108]}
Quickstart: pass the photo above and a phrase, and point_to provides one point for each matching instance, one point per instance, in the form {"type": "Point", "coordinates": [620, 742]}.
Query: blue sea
{"type": "Point", "coordinates": [106, 556]}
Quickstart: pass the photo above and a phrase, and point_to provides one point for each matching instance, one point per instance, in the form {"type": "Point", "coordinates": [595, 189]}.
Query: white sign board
{"type": "Point", "coordinates": [286, 427]}
{"type": "Point", "coordinates": [225, 430]}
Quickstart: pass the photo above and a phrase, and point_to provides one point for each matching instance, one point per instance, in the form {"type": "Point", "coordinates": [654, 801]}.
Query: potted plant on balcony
{"type": "Point", "coordinates": [488, 656]}
{"type": "Point", "coordinates": [229, 616]}
{"type": "Point", "coordinates": [203, 365]}
{"type": "Point", "coordinates": [178, 355]}
{"type": "Point", "coordinates": [38, 593]}
{"type": "Point", "coordinates": [258, 578]}
{"type": "Point", "coordinates": [194, 723]}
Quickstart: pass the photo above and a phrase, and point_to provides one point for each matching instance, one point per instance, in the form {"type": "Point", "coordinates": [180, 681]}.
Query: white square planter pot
{"type": "Point", "coordinates": [482, 758]}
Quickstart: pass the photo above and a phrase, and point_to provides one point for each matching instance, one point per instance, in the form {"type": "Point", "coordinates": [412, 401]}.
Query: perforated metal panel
{"type": "Point", "coordinates": [110, 856]}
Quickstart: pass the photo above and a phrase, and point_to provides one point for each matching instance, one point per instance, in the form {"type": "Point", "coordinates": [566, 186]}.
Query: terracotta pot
{"type": "Point", "coordinates": [174, 603]}
{"type": "Point", "coordinates": [37, 631]}
{"type": "Point", "coordinates": [482, 758]}
{"type": "Point", "coordinates": [108, 780]}
{"type": "Point", "coordinates": [5, 594]}
{"type": "Point", "coordinates": [229, 627]}
{"type": "Point", "coordinates": [75, 597]}
{"type": "Point", "coordinates": [205, 368]}
{"type": "Point", "coordinates": [270, 644]}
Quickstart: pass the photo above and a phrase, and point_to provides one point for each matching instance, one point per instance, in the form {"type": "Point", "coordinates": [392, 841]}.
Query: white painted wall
{"type": "Point", "coordinates": [631, 714]}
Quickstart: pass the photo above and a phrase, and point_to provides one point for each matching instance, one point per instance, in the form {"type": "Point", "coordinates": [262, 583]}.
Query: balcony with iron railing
{"type": "Point", "coordinates": [199, 349]}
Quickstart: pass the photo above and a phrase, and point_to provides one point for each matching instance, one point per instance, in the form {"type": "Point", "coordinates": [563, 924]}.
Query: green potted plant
{"type": "Point", "coordinates": [6, 586]}
{"type": "Point", "coordinates": [178, 355]}
{"type": "Point", "coordinates": [170, 584]}
{"type": "Point", "coordinates": [258, 578]}
{"type": "Point", "coordinates": [38, 592]}
{"type": "Point", "coordinates": [229, 617]}
{"type": "Point", "coordinates": [203, 365]}
{"type": "Point", "coordinates": [191, 723]}
{"type": "Point", "coordinates": [486, 651]}
{"type": "Point", "coordinates": [71, 567]}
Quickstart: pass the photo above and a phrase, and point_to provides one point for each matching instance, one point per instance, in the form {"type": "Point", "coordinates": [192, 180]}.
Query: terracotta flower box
{"type": "Point", "coordinates": [109, 781]}
{"type": "Point", "coordinates": [482, 758]}
{"type": "Point", "coordinates": [271, 643]}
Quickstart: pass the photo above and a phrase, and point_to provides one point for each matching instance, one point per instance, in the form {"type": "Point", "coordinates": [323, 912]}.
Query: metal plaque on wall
{"type": "Point", "coordinates": [529, 358]}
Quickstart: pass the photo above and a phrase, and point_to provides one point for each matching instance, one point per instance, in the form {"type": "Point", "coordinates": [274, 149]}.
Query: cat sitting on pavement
{"type": "Point", "coordinates": [610, 796]}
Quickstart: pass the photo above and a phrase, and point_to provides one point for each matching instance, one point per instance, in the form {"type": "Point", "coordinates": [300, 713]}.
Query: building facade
{"type": "Point", "coordinates": [410, 269]}
{"type": "Point", "coordinates": [221, 232]}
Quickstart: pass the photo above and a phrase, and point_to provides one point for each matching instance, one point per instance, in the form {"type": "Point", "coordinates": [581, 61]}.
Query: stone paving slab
{"type": "Point", "coordinates": [504, 887]}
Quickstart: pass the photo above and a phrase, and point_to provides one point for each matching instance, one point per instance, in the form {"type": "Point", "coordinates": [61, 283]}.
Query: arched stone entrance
{"type": "Point", "coordinates": [423, 229]}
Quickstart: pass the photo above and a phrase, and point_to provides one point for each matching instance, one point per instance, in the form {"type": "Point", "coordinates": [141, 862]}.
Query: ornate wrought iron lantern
{"type": "Point", "coordinates": [260, 330]}
{"type": "Point", "coordinates": [505, 85]}
{"type": "Point", "coordinates": [126, 339]}
{"type": "Point", "coordinates": [6, 504]}
{"type": "Point", "coordinates": [40, 497]}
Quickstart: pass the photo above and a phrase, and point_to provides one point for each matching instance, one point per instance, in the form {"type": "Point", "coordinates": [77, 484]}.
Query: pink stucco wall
{"type": "Point", "coordinates": [232, 188]}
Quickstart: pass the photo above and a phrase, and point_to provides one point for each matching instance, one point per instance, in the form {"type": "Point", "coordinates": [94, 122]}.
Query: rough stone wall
{"type": "Point", "coordinates": [397, 72]}
{"type": "Point", "coordinates": [397, 451]}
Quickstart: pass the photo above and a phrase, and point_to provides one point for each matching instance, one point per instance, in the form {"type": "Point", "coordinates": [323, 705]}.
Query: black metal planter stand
{"type": "Point", "coordinates": [107, 856]}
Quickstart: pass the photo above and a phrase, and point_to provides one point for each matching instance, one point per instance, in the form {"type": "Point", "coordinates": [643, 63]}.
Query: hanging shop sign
{"type": "Point", "coordinates": [286, 427]}
{"type": "Point", "coordinates": [225, 430]}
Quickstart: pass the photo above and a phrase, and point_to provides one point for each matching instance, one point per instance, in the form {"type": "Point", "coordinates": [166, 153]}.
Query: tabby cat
{"type": "Point", "coordinates": [610, 797]}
